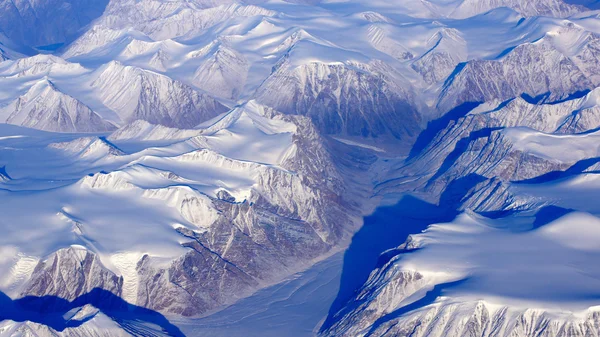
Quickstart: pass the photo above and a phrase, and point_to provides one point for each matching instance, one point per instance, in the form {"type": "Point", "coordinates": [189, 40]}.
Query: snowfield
{"type": "Point", "coordinates": [299, 168]}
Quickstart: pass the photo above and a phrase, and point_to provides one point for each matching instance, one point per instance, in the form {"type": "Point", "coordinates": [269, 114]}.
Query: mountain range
{"type": "Point", "coordinates": [168, 163]}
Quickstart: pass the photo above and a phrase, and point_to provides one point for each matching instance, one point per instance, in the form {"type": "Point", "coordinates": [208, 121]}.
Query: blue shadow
{"type": "Point", "coordinates": [51, 311]}
{"type": "Point", "coordinates": [374, 243]}
{"type": "Point", "coordinates": [461, 147]}
{"type": "Point", "coordinates": [435, 126]}
{"type": "Point", "coordinates": [591, 4]}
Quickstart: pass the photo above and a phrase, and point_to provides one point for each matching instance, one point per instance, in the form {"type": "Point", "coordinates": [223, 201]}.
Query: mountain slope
{"type": "Point", "coordinates": [352, 99]}
{"type": "Point", "coordinates": [249, 184]}
{"type": "Point", "coordinates": [255, 137]}
{"type": "Point", "coordinates": [539, 69]}
{"type": "Point", "coordinates": [224, 74]}
{"type": "Point", "coordinates": [44, 107]}
{"type": "Point", "coordinates": [139, 94]}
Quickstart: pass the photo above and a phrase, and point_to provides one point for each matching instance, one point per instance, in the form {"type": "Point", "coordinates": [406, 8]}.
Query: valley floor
{"type": "Point", "coordinates": [300, 305]}
{"type": "Point", "coordinates": [293, 308]}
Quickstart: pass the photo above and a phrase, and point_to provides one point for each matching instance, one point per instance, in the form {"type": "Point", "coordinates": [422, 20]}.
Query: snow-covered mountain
{"type": "Point", "coordinates": [224, 74]}
{"type": "Point", "coordinates": [138, 94]}
{"type": "Point", "coordinates": [343, 99]}
{"type": "Point", "coordinates": [249, 184]}
{"type": "Point", "coordinates": [161, 160]}
{"type": "Point", "coordinates": [561, 63]}
{"type": "Point", "coordinates": [501, 169]}
{"type": "Point", "coordinates": [44, 107]}
{"type": "Point", "coordinates": [556, 8]}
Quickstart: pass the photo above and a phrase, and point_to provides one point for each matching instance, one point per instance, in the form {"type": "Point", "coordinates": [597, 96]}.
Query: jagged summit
{"type": "Point", "coordinates": [40, 65]}
{"type": "Point", "coordinates": [373, 17]}
{"type": "Point", "coordinates": [101, 41]}
{"type": "Point", "coordinates": [405, 168]}
{"type": "Point", "coordinates": [89, 148]}
{"type": "Point", "coordinates": [338, 96]}
{"type": "Point", "coordinates": [224, 74]}
{"type": "Point", "coordinates": [446, 49]}
{"type": "Point", "coordinates": [136, 93]}
{"type": "Point", "coordinates": [45, 107]}
{"type": "Point", "coordinates": [555, 8]}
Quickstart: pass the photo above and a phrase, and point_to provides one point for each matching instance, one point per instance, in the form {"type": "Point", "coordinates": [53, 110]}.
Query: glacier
{"type": "Point", "coordinates": [299, 168]}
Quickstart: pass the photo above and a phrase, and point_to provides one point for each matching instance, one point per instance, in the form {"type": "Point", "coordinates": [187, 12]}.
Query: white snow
{"type": "Point", "coordinates": [121, 205]}
{"type": "Point", "coordinates": [562, 148]}
{"type": "Point", "coordinates": [546, 267]}
{"type": "Point", "coordinates": [179, 79]}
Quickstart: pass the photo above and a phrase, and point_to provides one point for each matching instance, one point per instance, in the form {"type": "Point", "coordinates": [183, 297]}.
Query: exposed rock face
{"type": "Point", "coordinates": [535, 69]}
{"type": "Point", "coordinates": [407, 294]}
{"type": "Point", "coordinates": [475, 159]}
{"type": "Point", "coordinates": [152, 97]}
{"type": "Point", "coordinates": [291, 218]}
{"type": "Point", "coordinates": [164, 20]}
{"type": "Point", "coordinates": [485, 321]}
{"type": "Point", "coordinates": [143, 130]}
{"type": "Point", "coordinates": [198, 281]}
{"type": "Point", "coordinates": [492, 195]}
{"type": "Point", "coordinates": [293, 213]}
{"type": "Point", "coordinates": [477, 142]}
{"type": "Point", "coordinates": [255, 195]}
{"type": "Point", "coordinates": [354, 100]}
{"type": "Point", "coordinates": [378, 297]}
{"type": "Point", "coordinates": [98, 327]}
{"type": "Point", "coordinates": [224, 74]}
{"type": "Point", "coordinates": [69, 274]}
{"type": "Point", "coordinates": [245, 247]}
{"type": "Point", "coordinates": [447, 49]}
{"type": "Point", "coordinates": [89, 148]}
{"type": "Point", "coordinates": [554, 8]}
{"type": "Point", "coordinates": [480, 319]}
{"type": "Point", "coordinates": [491, 155]}
{"type": "Point", "coordinates": [40, 65]}
{"type": "Point", "coordinates": [246, 244]}
{"type": "Point", "coordinates": [383, 41]}
{"type": "Point", "coordinates": [44, 107]}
